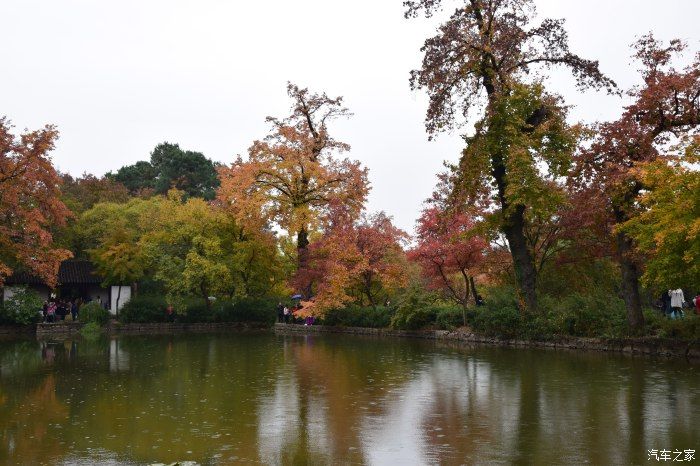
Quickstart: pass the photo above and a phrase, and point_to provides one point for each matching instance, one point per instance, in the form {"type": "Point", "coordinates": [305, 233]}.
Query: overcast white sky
{"type": "Point", "coordinates": [119, 77]}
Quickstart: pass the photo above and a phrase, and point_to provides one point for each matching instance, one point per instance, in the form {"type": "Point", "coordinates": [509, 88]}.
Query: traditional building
{"type": "Point", "coordinates": [76, 279]}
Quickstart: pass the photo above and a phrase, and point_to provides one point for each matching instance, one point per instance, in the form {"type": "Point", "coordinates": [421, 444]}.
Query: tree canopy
{"type": "Point", "coordinates": [293, 176]}
{"type": "Point", "coordinates": [30, 204]}
{"type": "Point", "coordinates": [171, 167]}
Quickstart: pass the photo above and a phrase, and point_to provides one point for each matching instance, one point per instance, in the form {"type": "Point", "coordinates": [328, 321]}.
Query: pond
{"type": "Point", "coordinates": [322, 399]}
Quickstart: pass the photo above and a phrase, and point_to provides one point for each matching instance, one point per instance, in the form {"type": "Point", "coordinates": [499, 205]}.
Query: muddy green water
{"type": "Point", "coordinates": [264, 398]}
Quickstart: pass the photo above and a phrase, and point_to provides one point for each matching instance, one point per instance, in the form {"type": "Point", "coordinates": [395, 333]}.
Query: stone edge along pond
{"type": "Point", "coordinates": [634, 346]}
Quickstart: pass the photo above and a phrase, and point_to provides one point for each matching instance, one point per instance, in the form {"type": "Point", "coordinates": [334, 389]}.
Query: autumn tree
{"type": "Point", "coordinates": [667, 231]}
{"type": "Point", "coordinates": [81, 193]}
{"type": "Point", "coordinates": [292, 176]}
{"type": "Point", "coordinates": [30, 204]}
{"type": "Point", "coordinates": [449, 251]}
{"type": "Point", "coordinates": [665, 113]}
{"type": "Point", "coordinates": [354, 260]}
{"type": "Point", "coordinates": [119, 258]}
{"type": "Point", "coordinates": [477, 65]}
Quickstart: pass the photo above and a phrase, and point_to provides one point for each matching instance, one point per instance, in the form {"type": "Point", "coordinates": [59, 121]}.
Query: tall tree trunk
{"type": "Point", "coordinates": [630, 284]}
{"type": "Point", "coordinates": [525, 273]}
{"type": "Point", "coordinates": [303, 256]}
{"type": "Point", "coordinates": [514, 229]}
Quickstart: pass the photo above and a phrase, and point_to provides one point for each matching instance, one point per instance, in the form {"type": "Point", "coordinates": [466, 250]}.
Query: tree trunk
{"type": "Point", "coordinates": [302, 248]}
{"type": "Point", "coordinates": [303, 257]}
{"type": "Point", "coordinates": [119, 295]}
{"type": "Point", "coordinates": [514, 229]}
{"type": "Point", "coordinates": [368, 289]}
{"type": "Point", "coordinates": [525, 273]}
{"type": "Point", "coordinates": [630, 284]}
{"type": "Point", "coordinates": [473, 287]}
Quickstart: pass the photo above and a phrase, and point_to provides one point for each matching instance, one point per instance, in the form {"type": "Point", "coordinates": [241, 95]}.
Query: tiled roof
{"type": "Point", "coordinates": [70, 272]}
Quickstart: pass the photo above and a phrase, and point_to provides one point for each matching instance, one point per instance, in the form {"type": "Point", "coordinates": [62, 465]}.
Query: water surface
{"type": "Point", "coordinates": [262, 398]}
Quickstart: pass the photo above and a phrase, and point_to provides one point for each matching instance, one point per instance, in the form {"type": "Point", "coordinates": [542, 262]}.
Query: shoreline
{"type": "Point", "coordinates": [646, 346]}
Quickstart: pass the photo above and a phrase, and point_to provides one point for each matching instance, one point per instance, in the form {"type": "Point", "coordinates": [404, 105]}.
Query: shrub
{"type": "Point", "coordinates": [263, 310]}
{"type": "Point", "coordinates": [414, 309]}
{"type": "Point", "coordinates": [413, 319]}
{"type": "Point", "coordinates": [91, 331]}
{"type": "Point", "coordinates": [152, 308]}
{"type": "Point", "coordinates": [502, 322]}
{"type": "Point", "coordinates": [94, 313]}
{"type": "Point", "coordinates": [144, 308]}
{"type": "Point", "coordinates": [195, 310]}
{"type": "Point", "coordinates": [23, 308]}
{"type": "Point", "coordinates": [359, 316]}
{"type": "Point", "coordinates": [450, 316]}
{"type": "Point", "coordinates": [588, 315]}
{"type": "Point", "coordinates": [687, 328]}
{"type": "Point", "coordinates": [499, 316]}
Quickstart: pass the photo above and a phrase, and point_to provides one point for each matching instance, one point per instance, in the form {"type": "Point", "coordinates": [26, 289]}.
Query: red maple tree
{"type": "Point", "coordinates": [30, 205]}
{"type": "Point", "coordinates": [449, 252]}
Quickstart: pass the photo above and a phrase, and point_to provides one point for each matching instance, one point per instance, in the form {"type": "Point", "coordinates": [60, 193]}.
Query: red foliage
{"type": "Point", "coordinates": [448, 251]}
{"type": "Point", "coordinates": [354, 259]}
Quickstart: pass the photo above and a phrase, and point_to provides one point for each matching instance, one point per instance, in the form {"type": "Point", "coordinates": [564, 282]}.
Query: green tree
{"type": "Point", "coordinates": [137, 178]}
{"type": "Point", "coordinates": [171, 167]}
{"type": "Point", "coordinates": [119, 258]}
{"type": "Point", "coordinates": [475, 67]}
{"type": "Point", "coordinates": [190, 247]}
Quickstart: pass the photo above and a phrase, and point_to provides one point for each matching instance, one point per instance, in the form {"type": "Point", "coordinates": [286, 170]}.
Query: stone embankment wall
{"type": "Point", "coordinates": [646, 346]}
{"type": "Point", "coordinates": [69, 329]}
{"type": "Point", "coordinates": [116, 328]}
{"type": "Point", "coordinates": [58, 329]}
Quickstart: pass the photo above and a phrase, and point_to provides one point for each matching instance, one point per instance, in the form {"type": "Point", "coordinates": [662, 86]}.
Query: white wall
{"type": "Point", "coordinates": [9, 291]}
{"type": "Point", "coordinates": [123, 298]}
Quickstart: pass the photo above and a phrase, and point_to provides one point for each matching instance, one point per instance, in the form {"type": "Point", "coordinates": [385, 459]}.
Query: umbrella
{"type": "Point", "coordinates": [297, 296]}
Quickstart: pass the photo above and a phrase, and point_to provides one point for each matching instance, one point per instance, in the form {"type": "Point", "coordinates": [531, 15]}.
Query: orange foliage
{"type": "Point", "coordinates": [291, 177]}
{"type": "Point", "coordinates": [29, 204]}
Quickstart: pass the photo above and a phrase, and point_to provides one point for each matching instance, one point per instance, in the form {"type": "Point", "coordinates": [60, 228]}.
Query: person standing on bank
{"type": "Point", "coordinates": [677, 301]}
{"type": "Point", "coordinates": [666, 303]}
{"type": "Point", "coordinates": [280, 313]}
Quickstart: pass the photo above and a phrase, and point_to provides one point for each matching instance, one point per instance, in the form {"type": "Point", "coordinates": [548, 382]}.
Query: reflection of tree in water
{"type": "Point", "coordinates": [30, 432]}
{"type": "Point", "coordinates": [336, 399]}
{"type": "Point", "coordinates": [333, 384]}
{"type": "Point", "coordinates": [184, 397]}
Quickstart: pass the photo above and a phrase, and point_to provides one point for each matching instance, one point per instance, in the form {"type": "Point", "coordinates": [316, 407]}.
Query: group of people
{"type": "Point", "coordinates": [673, 302]}
{"type": "Point", "coordinates": [285, 314]}
{"type": "Point", "coordinates": [55, 310]}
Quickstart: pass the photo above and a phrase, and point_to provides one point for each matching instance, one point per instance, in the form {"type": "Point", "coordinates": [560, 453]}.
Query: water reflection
{"type": "Point", "coordinates": [284, 400]}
